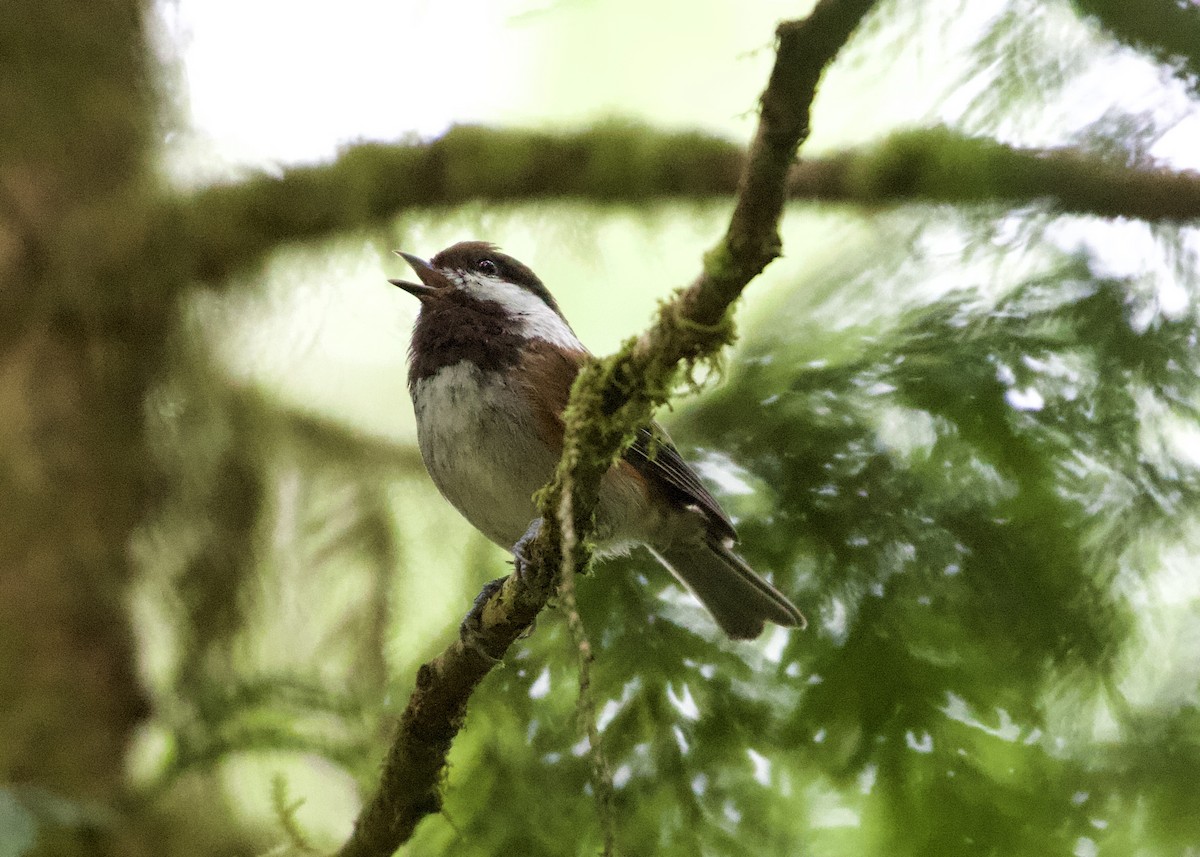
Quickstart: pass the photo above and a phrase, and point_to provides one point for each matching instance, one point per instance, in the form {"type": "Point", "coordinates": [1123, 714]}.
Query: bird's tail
{"type": "Point", "coordinates": [737, 598]}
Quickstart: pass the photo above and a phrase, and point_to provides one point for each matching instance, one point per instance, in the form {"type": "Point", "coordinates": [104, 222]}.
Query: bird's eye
{"type": "Point", "coordinates": [486, 266]}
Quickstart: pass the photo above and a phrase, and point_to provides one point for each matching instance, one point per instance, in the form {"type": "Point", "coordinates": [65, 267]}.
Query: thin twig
{"type": "Point", "coordinates": [602, 781]}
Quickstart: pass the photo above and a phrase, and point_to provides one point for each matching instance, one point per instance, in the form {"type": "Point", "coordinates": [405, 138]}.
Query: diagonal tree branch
{"type": "Point", "coordinates": [609, 401]}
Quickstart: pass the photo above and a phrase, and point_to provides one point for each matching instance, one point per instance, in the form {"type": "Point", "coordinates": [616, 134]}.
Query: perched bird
{"type": "Point", "coordinates": [490, 367]}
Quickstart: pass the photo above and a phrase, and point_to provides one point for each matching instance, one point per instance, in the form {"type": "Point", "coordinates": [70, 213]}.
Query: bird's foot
{"type": "Point", "coordinates": [520, 549]}
{"type": "Point", "coordinates": [470, 631]}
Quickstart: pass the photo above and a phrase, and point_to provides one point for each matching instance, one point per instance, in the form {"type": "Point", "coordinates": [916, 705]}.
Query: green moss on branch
{"type": "Point", "coordinates": [941, 166]}
{"type": "Point", "coordinates": [232, 228]}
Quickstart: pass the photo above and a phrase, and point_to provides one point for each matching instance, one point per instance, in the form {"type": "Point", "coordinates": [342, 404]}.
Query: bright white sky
{"type": "Point", "coordinates": [273, 82]}
{"type": "Point", "coordinates": [268, 80]}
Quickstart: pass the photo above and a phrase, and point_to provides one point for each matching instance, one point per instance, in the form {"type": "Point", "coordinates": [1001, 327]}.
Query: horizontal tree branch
{"type": "Point", "coordinates": [609, 400]}
{"type": "Point", "coordinates": [231, 229]}
{"type": "Point", "coordinates": [942, 166]}
{"type": "Point", "coordinates": [228, 229]}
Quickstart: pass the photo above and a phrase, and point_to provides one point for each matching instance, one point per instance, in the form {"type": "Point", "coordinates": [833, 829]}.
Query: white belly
{"type": "Point", "coordinates": [482, 449]}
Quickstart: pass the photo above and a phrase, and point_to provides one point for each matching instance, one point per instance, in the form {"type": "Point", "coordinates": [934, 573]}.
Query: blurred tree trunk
{"type": "Point", "coordinates": [81, 328]}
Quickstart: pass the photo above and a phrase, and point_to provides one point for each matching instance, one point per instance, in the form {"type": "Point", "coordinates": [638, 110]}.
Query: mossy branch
{"type": "Point", "coordinates": [941, 166]}
{"type": "Point", "coordinates": [613, 397]}
{"type": "Point", "coordinates": [610, 399]}
{"type": "Point", "coordinates": [232, 229]}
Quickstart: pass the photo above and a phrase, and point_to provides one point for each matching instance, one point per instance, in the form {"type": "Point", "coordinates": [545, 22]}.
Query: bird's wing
{"type": "Point", "coordinates": [548, 372]}
{"type": "Point", "coordinates": [655, 457]}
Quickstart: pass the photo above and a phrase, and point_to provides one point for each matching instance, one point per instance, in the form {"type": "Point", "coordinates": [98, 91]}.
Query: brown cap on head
{"type": "Point", "coordinates": [479, 258]}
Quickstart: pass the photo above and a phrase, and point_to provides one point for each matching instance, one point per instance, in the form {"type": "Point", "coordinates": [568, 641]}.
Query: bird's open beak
{"type": "Point", "coordinates": [432, 280]}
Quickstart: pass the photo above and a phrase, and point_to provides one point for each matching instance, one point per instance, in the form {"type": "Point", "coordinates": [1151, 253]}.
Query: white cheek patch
{"type": "Point", "coordinates": [548, 325]}
{"type": "Point", "coordinates": [538, 321]}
